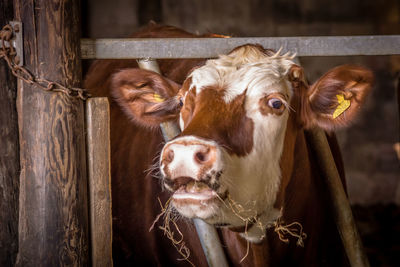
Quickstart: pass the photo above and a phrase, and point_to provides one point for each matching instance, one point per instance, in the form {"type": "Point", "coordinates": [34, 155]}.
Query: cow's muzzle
{"type": "Point", "coordinates": [191, 168]}
{"type": "Point", "coordinates": [190, 158]}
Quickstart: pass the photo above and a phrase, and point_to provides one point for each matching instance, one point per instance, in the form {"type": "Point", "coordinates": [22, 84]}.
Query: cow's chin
{"type": "Point", "coordinates": [203, 204]}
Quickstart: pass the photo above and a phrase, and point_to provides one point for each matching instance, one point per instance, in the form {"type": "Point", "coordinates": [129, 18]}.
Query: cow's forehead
{"type": "Point", "coordinates": [246, 68]}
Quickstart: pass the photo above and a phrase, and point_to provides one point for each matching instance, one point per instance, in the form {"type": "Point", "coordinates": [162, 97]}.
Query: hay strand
{"type": "Point", "coordinates": [236, 208]}
{"type": "Point", "coordinates": [294, 229]}
{"type": "Point", "coordinates": [168, 219]}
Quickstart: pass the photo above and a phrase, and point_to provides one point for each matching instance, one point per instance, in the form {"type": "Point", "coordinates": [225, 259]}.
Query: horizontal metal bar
{"type": "Point", "coordinates": [212, 47]}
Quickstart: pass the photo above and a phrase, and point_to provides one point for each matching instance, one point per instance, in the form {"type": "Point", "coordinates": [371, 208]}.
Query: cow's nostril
{"type": "Point", "coordinates": [170, 155]}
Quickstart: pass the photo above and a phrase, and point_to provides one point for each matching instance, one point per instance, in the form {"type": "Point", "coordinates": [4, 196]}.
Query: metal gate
{"type": "Point", "coordinates": [146, 51]}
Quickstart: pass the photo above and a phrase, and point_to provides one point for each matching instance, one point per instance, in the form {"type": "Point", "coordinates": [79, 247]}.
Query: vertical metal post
{"type": "Point", "coordinates": [341, 206]}
{"type": "Point", "coordinates": [207, 234]}
{"type": "Point", "coordinates": [343, 216]}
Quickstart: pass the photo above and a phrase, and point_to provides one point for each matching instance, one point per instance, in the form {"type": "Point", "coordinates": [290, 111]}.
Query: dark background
{"type": "Point", "coordinates": [372, 167]}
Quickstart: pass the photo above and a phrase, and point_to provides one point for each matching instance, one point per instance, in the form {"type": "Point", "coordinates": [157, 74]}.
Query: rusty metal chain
{"type": "Point", "coordinates": [7, 52]}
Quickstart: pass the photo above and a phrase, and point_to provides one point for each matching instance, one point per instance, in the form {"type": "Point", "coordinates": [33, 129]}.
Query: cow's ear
{"type": "Point", "coordinates": [145, 96]}
{"type": "Point", "coordinates": [335, 99]}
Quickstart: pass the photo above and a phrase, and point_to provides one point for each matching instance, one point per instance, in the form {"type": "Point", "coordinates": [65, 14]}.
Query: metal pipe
{"type": "Point", "coordinates": [341, 206]}
{"type": "Point", "coordinates": [210, 243]}
{"type": "Point", "coordinates": [343, 215]}
{"type": "Point", "coordinates": [207, 234]}
{"type": "Point", "coordinates": [212, 47]}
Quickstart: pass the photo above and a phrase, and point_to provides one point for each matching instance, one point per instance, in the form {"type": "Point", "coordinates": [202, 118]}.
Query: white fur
{"type": "Point", "coordinates": [181, 122]}
{"type": "Point", "coordinates": [241, 70]}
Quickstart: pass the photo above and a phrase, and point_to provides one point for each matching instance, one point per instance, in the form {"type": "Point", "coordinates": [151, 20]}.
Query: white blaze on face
{"type": "Point", "coordinates": [253, 180]}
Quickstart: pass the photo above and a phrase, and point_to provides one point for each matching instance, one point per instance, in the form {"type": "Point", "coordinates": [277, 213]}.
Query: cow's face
{"type": "Point", "coordinates": [225, 166]}
{"type": "Point", "coordinates": [226, 161]}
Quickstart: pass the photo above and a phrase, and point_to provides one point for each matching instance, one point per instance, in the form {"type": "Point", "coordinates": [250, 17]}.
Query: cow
{"type": "Point", "coordinates": [242, 162]}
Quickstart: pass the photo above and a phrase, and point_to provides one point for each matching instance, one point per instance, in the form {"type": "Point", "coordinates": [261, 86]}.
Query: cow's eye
{"type": "Point", "coordinates": [275, 103]}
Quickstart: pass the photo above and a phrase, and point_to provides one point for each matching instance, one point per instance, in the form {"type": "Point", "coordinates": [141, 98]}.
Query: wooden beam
{"type": "Point", "coordinates": [9, 155]}
{"type": "Point", "coordinates": [53, 216]}
{"type": "Point", "coordinates": [98, 143]}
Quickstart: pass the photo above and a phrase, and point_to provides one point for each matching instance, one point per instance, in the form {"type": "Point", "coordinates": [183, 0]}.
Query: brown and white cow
{"type": "Point", "coordinates": [242, 161]}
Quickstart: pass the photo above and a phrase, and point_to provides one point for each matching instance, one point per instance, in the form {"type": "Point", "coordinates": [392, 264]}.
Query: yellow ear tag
{"type": "Point", "coordinates": [342, 107]}
{"type": "Point", "coordinates": [157, 98]}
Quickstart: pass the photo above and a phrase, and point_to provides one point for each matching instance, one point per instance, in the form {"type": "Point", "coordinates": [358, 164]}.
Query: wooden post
{"type": "Point", "coordinates": [9, 155]}
{"type": "Point", "coordinates": [98, 143]}
{"type": "Point", "coordinates": [53, 216]}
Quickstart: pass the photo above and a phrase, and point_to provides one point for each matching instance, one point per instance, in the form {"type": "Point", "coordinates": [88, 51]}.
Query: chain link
{"type": "Point", "coordinates": [8, 53]}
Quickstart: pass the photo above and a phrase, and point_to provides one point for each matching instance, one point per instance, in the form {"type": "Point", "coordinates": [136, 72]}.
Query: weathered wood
{"type": "Point", "coordinates": [9, 155]}
{"type": "Point", "coordinates": [99, 169]}
{"type": "Point", "coordinates": [53, 216]}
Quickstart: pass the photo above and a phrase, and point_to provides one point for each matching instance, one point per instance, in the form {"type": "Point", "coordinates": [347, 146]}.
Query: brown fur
{"type": "Point", "coordinates": [189, 101]}
{"type": "Point", "coordinates": [319, 101]}
{"type": "Point", "coordinates": [134, 89]}
{"type": "Point", "coordinates": [133, 151]}
{"type": "Point", "coordinates": [224, 123]}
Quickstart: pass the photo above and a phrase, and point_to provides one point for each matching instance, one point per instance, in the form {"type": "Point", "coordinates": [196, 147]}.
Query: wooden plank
{"type": "Point", "coordinates": [99, 169]}
{"type": "Point", "coordinates": [53, 211]}
{"type": "Point", "coordinates": [9, 155]}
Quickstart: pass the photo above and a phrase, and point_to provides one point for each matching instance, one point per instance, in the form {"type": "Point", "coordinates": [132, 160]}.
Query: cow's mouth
{"type": "Point", "coordinates": [196, 198]}
{"type": "Point", "coordinates": [195, 191]}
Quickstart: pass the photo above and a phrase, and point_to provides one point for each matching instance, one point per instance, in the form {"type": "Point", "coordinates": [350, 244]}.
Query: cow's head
{"type": "Point", "coordinates": [233, 112]}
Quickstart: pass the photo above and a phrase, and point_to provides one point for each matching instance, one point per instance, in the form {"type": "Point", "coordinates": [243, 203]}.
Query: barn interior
{"type": "Point", "coordinates": [371, 163]}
